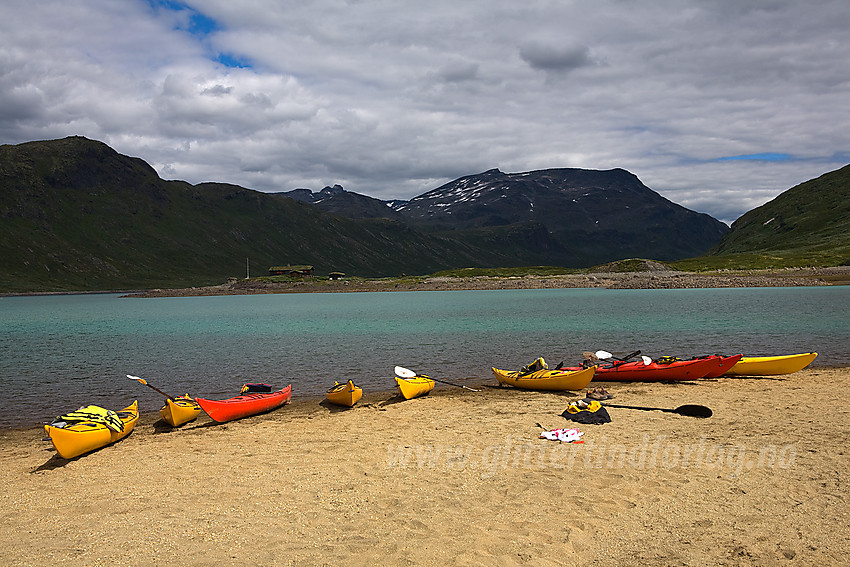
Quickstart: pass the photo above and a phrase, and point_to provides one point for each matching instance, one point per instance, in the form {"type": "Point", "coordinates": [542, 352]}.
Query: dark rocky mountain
{"type": "Point", "coordinates": [338, 201]}
{"type": "Point", "coordinates": [308, 196]}
{"type": "Point", "coordinates": [567, 217]}
{"type": "Point", "coordinates": [593, 216]}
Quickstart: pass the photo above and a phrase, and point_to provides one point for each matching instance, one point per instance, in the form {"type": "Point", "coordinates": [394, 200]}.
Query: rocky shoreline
{"type": "Point", "coordinates": [652, 279]}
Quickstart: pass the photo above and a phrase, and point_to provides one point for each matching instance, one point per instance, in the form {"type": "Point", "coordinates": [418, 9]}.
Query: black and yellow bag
{"type": "Point", "coordinates": [538, 364]}
{"type": "Point", "coordinates": [592, 414]}
{"type": "Point", "coordinates": [256, 389]}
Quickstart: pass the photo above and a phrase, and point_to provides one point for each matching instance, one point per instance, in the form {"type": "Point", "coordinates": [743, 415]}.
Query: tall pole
{"type": "Point", "coordinates": [247, 269]}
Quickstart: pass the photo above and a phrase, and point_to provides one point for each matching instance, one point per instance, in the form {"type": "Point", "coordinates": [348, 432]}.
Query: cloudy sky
{"type": "Point", "coordinates": [719, 105]}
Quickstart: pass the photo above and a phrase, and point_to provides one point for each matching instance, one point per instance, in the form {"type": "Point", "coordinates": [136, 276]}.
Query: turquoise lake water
{"type": "Point", "coordinates": [61, 352]}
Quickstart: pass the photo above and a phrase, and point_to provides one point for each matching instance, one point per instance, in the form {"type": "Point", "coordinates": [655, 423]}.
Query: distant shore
{"type": "Point", "coordinates": [652, 279]}
{"type": "Point", "coordinates": [792, 277]}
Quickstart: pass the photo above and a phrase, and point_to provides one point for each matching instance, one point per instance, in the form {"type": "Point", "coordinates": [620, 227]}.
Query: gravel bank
{"type": "Point", "coordinates": [655, 279]}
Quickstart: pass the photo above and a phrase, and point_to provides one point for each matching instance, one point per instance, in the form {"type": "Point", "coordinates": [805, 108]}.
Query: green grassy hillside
{"type": "Point", "coordinates": [76, 215]}
{"type": "Point", "coordinates": [806, 225]}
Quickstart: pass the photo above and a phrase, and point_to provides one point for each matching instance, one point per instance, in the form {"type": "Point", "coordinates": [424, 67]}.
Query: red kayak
{"type": "Point", "coordinates": [245, 405]}
{"type": "Point", "coordinates": [726, 364]}
{"type": "Point", "coordinates": [662, 371]}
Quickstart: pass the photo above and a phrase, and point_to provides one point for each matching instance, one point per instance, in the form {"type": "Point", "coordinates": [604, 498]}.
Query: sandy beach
{"type": "Point", "coordinates": [454, 478]}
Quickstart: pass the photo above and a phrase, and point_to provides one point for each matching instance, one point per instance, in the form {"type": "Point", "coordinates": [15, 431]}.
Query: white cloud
{"type": "Point", "coordinates": [392, 99]}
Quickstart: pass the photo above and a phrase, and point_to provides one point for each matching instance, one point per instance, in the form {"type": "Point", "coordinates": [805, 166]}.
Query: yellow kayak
{"type": "Point", "coordinates": [179, 410]}
{"type": "Point", "coordinates": [771, 365]}
{"type": "Point", "coordinates": [414, 387]}
{"type": "Point", "coordinates": [545, 379]}
{"type": "Point", "coordinates": [345, 394]}
{"type": "Point", "coordinates": [74, 438]}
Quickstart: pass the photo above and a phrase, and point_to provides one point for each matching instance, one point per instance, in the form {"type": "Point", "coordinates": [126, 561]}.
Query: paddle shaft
{"type": "Point", "coordinates": [453, 384]}
{"type": "Point", "coordinates": [690, 410]}
{"type": "Point", "coordinates": [403, 372]}
{"type": "Point", "coordinates": [632, 355]}
{"type": "Point", "coordinates": [639, 407]}
{"type": "Point", "coordinates": [613, 360]}
{"type": "Point", "coordinates": [160, 391]}
{"type": "Point", "coordinates": [145, 382]}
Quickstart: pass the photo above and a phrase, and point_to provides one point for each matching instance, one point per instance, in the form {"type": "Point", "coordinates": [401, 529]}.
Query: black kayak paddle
{"type": "Point", "coordinates": [690, 410]}
{"type": "Point", "coordinates": [403, 372]}
{"type": "Point", "coordinates": [143, 381]}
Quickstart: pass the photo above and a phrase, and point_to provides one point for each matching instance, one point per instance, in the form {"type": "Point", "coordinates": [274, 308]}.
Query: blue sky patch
{"type": "Point", "coordinates": [758, 157]}
{"type": "Point", "coordinates": [197, 24]}
{"type": "Point", "coordinates": [200, 26]}
{"type": "Point", "coordinates": [230, 60]}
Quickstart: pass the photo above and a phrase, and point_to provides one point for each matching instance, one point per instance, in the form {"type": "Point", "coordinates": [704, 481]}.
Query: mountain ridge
{"type": "Point", "coordinates": [591, 216]}
{"type": "Point", "coordinates": [77, 215]}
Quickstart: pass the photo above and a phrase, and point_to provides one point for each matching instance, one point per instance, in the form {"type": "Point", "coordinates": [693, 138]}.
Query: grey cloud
{"type": "Point", "coordinates": [458, 71]}
{"type": "Point", "coordinates": [217, 90]}
{"type": "Point", "coordinates": [549, 57]}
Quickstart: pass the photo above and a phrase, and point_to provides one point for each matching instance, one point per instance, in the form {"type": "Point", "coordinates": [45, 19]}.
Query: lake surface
{"type": "Point", "coordinates": [61, 352]}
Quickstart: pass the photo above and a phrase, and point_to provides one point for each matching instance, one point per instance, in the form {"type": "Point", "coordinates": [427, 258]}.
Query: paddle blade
{"type": "Point", "coordinates": [603, 355]}
{"type": "Point", "coordinates": [692, 410]}
{"type": "Point", "coordinates": [403, 372]}
{"type": "Point", "coordinates": [141, 380]}
{"type": "Point", "coordinates": [646, 360]}
{"type": "Point", "coordinates": [587, 356]}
